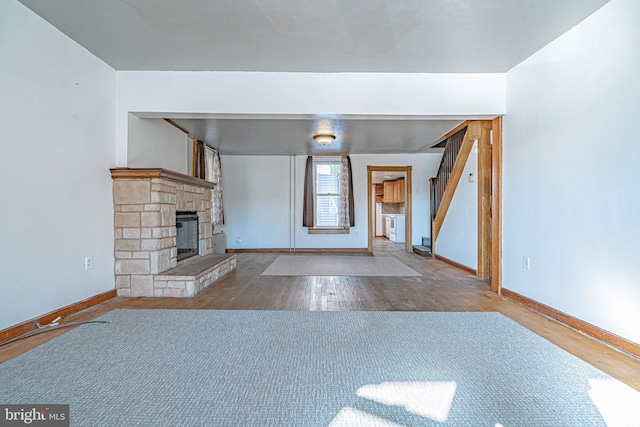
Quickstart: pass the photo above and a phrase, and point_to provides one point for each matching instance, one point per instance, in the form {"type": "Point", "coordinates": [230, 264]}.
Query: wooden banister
{"type": "Point", "coordinates": [449, 173]}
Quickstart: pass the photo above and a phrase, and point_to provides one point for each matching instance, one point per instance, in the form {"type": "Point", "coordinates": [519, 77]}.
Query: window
{"type": "Point", "coordinates": [327, 193]}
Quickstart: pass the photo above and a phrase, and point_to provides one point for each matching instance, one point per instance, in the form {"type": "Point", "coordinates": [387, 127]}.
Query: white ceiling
{"type": "Point", "coordinates": [380, 177]}
{"type": "Point", "coordinates": [430, 36]}
{"type": "Point", "coordinates": [426, 36]}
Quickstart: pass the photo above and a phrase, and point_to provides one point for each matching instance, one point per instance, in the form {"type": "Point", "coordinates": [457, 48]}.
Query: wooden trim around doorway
{"type": "Point", "coordinates": [484, 201]}
{"type": "Point", "coordinates": [496, 205]}
{"type": "Point", "coordinates": [407, 203]}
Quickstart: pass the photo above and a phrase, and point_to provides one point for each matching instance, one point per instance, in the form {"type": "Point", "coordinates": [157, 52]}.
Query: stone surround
{"type": "Point", "coordinates": [145, 204]}
{"type": "Point", "coordinates": [193, 276]}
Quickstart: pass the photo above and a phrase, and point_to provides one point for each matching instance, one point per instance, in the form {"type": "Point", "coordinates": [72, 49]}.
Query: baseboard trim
{"type": "Point", "coordinates": [30, 325]}
{"type": "Point", "coordinates": [580, 325]}
{"type": "Point", "coordinates": [456, 264]}
{"type": "Point", "coordinates": [299, 250]}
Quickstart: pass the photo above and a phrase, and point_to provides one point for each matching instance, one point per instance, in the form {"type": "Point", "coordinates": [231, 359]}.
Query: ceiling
{"type": "Point", "coordinates": [380, 177]}
{"type": "Point", "coordinates": [408, 36]}
{"type": "Point", "coordinates": [291, 136]}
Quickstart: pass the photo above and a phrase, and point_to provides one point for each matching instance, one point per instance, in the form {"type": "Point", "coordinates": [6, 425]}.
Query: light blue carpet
{"type": "Point", "coordinates": [277, 368]}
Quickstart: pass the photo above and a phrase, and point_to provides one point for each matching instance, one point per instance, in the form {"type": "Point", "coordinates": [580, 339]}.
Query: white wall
{"type": "Point", "coordinates": [57, 118]}
{"type": "Point", "coordinates": [196, 93]}
{"type": "Point", "coordinates": [154, 143]}
{"type": "Point", "coordinates": [458, 237]}
{"type": "Point", "coordinates": [571, 198]}
{"type": "Point", "coordinates": [259, 209]}
{"type": "Point", "coordinates": [256, 201]}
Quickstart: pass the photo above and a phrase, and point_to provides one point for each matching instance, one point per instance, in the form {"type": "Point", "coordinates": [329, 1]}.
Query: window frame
{"type": "Point", "coordinates": [320, 229]}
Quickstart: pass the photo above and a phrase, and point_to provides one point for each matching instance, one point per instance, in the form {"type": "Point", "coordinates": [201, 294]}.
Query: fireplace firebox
{"type": "Point", "coordinates": [187, 238]}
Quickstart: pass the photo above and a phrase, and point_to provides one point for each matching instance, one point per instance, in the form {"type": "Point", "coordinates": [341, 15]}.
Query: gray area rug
{"type": "Point", "coordinates": [297, 265]}
{"type": "Point", "coordinates": [277, 368]}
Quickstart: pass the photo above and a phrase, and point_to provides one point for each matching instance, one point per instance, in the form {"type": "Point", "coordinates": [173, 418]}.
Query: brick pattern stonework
{"type": "Point", "coordinates": [188, 286]}
{"type": "Point", "coordinates": [145, 231]}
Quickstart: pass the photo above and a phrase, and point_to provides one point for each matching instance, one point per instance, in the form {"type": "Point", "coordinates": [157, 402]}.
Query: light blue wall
{"type": "Point", "coordinates": [154, 143]}
{"type": "Point", "coordinates": [571, 198]}
{"type": "Point", "coordinates": [256, 201]}
{"type": "Point", "coordinates": [57, 118]}
{"type": "Point", "coordinates": [263, 200]}
{"type": "Point", "coordinates": [458, 237]}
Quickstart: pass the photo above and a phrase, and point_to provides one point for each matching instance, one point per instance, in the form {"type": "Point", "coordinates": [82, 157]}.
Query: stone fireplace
{"type": "Point", "coordinates": [146, 204]}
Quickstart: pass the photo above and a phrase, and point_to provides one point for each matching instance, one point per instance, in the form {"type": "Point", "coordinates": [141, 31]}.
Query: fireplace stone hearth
{"type": "Point", "coordinates": [145, 206]}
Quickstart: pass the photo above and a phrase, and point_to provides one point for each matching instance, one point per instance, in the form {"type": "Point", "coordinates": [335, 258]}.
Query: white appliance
{"type": "Point", "coordinates": [396, 228]}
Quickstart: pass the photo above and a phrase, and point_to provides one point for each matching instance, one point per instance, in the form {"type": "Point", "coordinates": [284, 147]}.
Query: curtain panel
{"type": "Point", "coordinates": [217, 212]}
{"type": "Point", "coordinates": [344, 219]}
{"type": "Point", "coordinates": [308, 206]}
{"type": "Point", "coordinates": [352, 217]}
{"type": "Point", "coordinates": [208, 167]}
{"type": "Point", "coordinates": [201, 167]}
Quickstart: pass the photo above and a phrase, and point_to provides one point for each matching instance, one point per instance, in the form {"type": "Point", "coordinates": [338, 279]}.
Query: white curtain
{"type": "Point", "coordinates": [217, 213]}
{"type": "Point", "coordinates": [214, 174]}
{"type": "Point", "coordinates": [344, 215]}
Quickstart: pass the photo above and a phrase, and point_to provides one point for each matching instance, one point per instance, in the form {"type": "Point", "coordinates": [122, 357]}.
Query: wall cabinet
{"type": "Point", "coordinates": [389, 192]}
{"type": "Point", "coordinates": [398, 191]}
{"type": "Point", "coordinates": [393, 191]}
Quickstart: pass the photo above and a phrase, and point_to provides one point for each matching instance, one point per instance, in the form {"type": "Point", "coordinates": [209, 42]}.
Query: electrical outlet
{"type": "Point", "coordinates": [88, 263]}
{"type": "Point", "coordinates": [526, 262]}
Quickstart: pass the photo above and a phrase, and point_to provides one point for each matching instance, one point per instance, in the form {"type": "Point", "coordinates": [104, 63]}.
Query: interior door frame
{"type": "Point", "coordinates": [496, 205]}
{"type": "Point", "coordinates": [407, 203]}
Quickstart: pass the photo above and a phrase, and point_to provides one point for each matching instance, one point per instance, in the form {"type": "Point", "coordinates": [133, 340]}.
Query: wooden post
{"type": "Point", "coordinates": [484, 201]}
{"type": "Point", "coordinates": [496, 206]}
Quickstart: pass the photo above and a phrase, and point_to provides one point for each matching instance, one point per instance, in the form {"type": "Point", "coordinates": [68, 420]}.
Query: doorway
{"type": "Point", "coordinates": [405, 196]}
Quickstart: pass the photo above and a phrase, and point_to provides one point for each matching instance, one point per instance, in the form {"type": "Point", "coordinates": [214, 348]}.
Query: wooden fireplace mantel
{"type": "Point", "coordinates": [142, 173]}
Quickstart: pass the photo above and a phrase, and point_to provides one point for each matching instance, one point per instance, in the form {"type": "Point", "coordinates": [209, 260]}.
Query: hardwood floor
{"type": "Point", "coordinates": [441, 288]}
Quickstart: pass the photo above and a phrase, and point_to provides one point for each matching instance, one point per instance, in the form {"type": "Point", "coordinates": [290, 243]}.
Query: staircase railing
{"type": "Point", "coordinates": [443, 185]}
{"type": "Point", "coordinates": [439, 182]}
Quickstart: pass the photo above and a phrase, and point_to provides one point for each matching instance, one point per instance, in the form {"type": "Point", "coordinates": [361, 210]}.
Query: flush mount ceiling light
{"type": "Point", "coordinates": [324, 138]}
